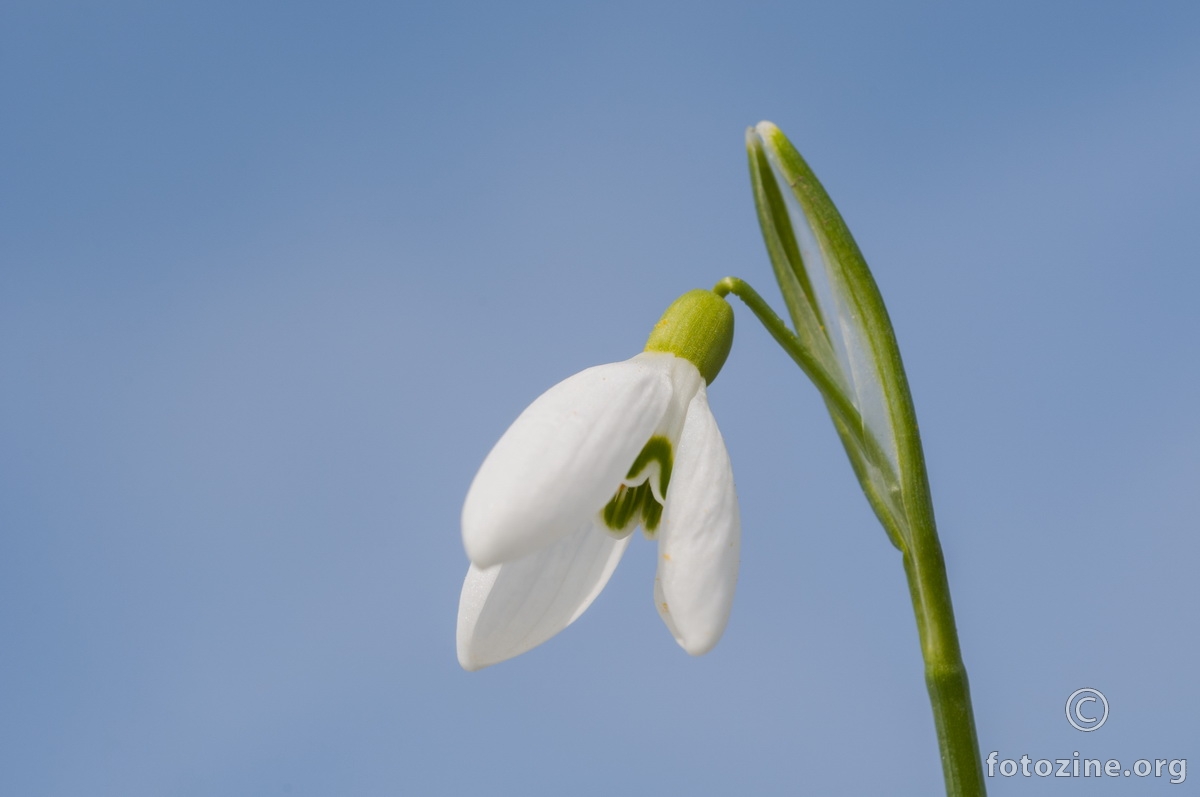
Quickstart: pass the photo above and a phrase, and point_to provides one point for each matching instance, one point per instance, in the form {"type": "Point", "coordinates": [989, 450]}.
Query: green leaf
{"type": "Point", "coordinates": [786, 259]}
{"type": "Point", "coordinates": [841, 319]}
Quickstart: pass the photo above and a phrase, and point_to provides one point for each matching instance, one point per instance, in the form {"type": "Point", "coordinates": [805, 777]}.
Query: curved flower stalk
{"type": "Point", "coordinates": [555, 503]}
{"type": "Point", "coordinates": [843, 339]}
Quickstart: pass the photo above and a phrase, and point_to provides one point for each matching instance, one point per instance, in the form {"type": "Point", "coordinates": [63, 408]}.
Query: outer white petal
{"type": "Point", "coordinates": [563, 458]}
{"type": "Point", "coordinates": [700, 537]}
{"type": "Point", "coordinates": [510, 608]}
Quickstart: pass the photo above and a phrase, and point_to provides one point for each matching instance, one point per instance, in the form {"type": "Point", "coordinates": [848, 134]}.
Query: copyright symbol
{"type": "Point", "coordinates": [1087, 709]}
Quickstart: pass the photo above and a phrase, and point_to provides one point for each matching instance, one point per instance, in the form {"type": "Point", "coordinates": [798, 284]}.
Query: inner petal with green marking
{"type": "Point", "coordinates": [640, 498]}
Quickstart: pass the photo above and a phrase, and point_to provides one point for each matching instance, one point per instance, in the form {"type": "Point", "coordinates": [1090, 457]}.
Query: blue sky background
{"type": "Point", "coordinates": [273, 279]}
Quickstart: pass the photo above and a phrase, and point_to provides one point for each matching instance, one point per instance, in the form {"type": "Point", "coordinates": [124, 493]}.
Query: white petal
{"type": "Point", "coordinates": [513, 607]}
{"type": "Point", "coordinates": [563, 458]}
{"type": "Point", "coordinates": [700, 537]}
{"type": "Point", "coordinates": [685, 381]}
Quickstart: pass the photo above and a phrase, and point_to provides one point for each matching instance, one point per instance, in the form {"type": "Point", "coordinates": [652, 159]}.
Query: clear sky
{"type": "Point", "coordinates": [273, 279]}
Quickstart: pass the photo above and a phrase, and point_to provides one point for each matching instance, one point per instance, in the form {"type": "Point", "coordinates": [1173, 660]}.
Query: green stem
{"type": "Point", "coordinates": [945, 674]}
{"type": "Point", "coordinates": [833, 394]}
{"type": "Point", "coordinates": [845, 415]}
{"type": "Point", "coordinates": [929, 588]}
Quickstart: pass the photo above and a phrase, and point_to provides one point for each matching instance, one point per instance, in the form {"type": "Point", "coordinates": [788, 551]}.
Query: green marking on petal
{"type": "Point", "coordinates": [657, 449]}
{"type": "Point", "coordinates": [651, 515]}
{"type": "Point", "coordinates": [633, 504]}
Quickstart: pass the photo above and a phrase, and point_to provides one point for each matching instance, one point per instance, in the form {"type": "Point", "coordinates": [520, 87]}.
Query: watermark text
{"type": "Point", "coordinates": [1174, 769]}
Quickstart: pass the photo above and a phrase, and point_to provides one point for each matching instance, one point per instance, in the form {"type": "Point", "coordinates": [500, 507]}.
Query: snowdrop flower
{"type": "Point", "coordinates": [552, 509]}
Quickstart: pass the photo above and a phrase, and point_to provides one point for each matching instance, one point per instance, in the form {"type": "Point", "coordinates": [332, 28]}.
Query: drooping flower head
{"type": "Point", "coordinates": [553, 506]}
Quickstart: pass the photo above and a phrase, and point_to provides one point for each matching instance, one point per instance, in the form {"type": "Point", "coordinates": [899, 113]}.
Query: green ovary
{"type": "Point", "coordinates": [635, 503]}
